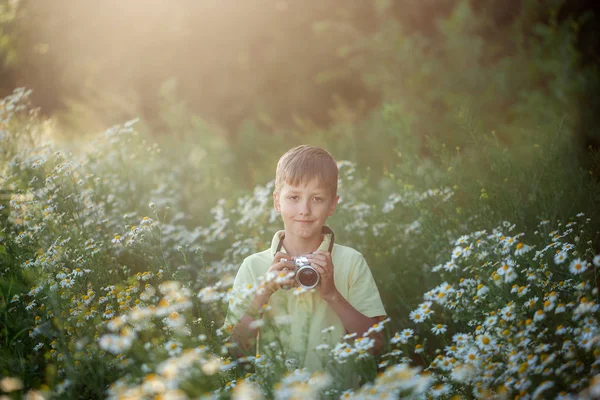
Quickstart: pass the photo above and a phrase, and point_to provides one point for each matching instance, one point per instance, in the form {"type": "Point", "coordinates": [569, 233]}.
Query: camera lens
{"type": "Point", "coordinates": [308, 277]}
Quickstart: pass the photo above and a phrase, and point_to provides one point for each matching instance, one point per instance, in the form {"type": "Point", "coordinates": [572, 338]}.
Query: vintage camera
{"type": "Point", "coordinates": [305, 275]}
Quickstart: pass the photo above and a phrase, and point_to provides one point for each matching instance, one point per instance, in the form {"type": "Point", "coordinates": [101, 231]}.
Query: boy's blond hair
{"type": "Point", "coordinates": [304, 163]}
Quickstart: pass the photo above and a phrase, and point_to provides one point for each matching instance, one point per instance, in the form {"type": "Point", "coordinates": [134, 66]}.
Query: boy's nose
{"type": "Point", "coordinates": [304, 209]}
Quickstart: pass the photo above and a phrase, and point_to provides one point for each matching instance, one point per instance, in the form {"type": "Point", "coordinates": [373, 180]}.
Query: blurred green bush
{"type": "Point", "coordinates": [467, 136]}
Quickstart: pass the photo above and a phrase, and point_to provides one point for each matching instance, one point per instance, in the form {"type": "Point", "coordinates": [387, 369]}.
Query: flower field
{"type": "Point", "coordinates": [109, 290]}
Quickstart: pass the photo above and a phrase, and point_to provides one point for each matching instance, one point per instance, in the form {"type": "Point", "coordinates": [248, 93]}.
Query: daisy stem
{"type": "Point", "coordinates": [160, 238]}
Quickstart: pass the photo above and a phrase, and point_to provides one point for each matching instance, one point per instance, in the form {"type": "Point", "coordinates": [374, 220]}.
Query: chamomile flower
{"type": "Point", "coordinates": [482, 290]}
{"type": "Point", "coordinates": [505, 267]}
{"type": "Point", "coordinates": [539, 315]}
{"type": "Point", "coordinates": [491, 321]}
{"type": "Point", "coordinates": [596, 260]}
{"type": "Point", "coordinates": [108, 314]}
{"type": "Point", "coordinates": [173, 348]}
{"type": "Point", "coordinates": [522, 291]}
{"type": "Point", "coordinates": [457, 252]}
{"type": "Point", "coordinates": [396, 338]}
{"type": "Point", "coordinates": [460, 338]}
{"type": "Point", "coordinates": [117, 239]}
{"type": "Point", "coordinates": [417, 316]}
{"type": "Point", "coordinates": [406, 334]}
{"type": "Point", "coordinates": [568, 246]}
{"type": "Point", "coordinates": [578, 266]}
{"type": "Point", "coordinates": [227, 365]}
{"type": "Point", "coordinates": [146, 221]}
{"type": "Point", "coordinates": [461, 240]}
{"type": "Point", "coordinates": [299, 290]}
{"type": "Point", "coordinates": [439, 390]}
{"type": "Point", "coordinates": [450, 266]}
{"type": "Point", "coordinates": [548, 305]}
{"type": "Point", "coordinates": [439, 329]}
{"type": "Point", "coordinates": [560, 257]}
{"type": "Point", "coordinates": [521, 249]}
{"type": "Point", "coordinates": [531, 302]}
{"type": "Point", "coordinates": [437, 268]}
{"type": "Point", "coordinates": [426, 305]}
{"type": "Point", "coordinates": [377, 327]}
{"type": "Point", "coordinates": [485, 341]}
{"type": "Point", "coordinates": [508, 313]}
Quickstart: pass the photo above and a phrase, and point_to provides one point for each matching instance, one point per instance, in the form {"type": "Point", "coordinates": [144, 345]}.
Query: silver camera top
{"type": "Point", "coordinates": [300, 261]}
{"type": "Point", "coordinates": [304, 274]}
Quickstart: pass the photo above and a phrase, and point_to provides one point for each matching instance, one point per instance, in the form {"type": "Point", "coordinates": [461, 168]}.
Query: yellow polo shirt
{"type": "Point", "coordinates": [302, 317]}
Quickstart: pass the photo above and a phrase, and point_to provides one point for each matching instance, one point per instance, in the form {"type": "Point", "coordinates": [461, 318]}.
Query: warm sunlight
{"type": "Point", "coordinates": [312, 199]}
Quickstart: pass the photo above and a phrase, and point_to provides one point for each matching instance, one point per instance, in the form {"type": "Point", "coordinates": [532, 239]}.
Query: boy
{"type": "Point", "coordinates": [346, 299]}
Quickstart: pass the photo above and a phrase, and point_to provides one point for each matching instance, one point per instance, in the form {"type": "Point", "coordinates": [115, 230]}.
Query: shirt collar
{"type": "Point", "coordinates": [324, 246]}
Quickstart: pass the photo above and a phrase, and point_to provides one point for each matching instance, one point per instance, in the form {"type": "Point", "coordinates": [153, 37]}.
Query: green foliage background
{"type": "Point", "coordinates": [493, 119]}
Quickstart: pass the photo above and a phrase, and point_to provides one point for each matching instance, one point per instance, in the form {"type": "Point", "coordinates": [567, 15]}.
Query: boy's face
{"type": "Point", "coordinates": [304, 209]}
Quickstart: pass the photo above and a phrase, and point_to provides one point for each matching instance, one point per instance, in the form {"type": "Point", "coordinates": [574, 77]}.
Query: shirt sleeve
{"type": "Point", "coordinates": [243, 285]}
{"type": "Point", "coordinates": [363, 293]}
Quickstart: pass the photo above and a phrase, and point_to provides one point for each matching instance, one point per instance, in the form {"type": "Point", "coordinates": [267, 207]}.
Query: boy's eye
{"type": "Point", "coordinates": [294, 198]}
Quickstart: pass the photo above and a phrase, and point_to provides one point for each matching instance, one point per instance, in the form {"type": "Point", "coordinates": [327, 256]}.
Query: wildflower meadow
{"type": "Point", "coordinates": [119, 248]}
{"type": "Point", "coordinates": [107, 291]}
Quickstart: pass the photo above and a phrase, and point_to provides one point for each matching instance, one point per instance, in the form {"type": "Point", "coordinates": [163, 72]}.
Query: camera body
{"type": "Point", "coordinates": [305, 275]}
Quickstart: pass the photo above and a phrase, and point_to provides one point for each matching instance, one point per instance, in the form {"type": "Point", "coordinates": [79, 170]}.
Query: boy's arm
{"type": "Point", "coordinates": [243, 333]}
{"type": "Point", "coordinates": [363, 295]}
{"type": "Point", "coordinates": [354, 321]}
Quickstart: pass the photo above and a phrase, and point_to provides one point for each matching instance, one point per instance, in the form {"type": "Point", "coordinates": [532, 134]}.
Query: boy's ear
{"type": "Point", "coordinates": [276, 202]}
{"type": "Point", "coordinates": [333, 206]}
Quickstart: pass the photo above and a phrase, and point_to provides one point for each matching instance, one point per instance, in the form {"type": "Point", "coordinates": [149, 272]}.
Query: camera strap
{"type": "Point", "coordinates": [325, 230]}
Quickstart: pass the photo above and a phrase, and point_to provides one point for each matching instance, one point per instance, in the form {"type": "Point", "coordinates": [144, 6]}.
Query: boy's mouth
{"type": "Point", "coordinates": [305, 222]}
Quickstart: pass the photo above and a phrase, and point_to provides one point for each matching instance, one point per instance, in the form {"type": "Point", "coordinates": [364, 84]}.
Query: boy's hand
{"type": "Point", "coordinates": [321, 261]}
{"type": "Point", "coordinates": [281, 266]}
